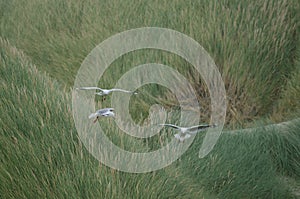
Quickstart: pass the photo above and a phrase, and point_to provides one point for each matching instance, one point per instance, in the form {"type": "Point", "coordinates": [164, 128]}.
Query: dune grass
{"type": "Point", "coordinates": [254, 44]}
{"type": "Point", "coordinates": [248, 164]}
{"type": "Point", "coordinates": [41, 154]}
{"type": "Point", "coordinates": [288, 106]}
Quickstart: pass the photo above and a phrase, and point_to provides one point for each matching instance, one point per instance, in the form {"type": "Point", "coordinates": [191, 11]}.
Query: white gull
{"type": "Point", "coordinates": [106, 112]}
{"type": "Point", "coordinates": [102, 91]}
{"type": "Point", "coordinates": [186, 132]}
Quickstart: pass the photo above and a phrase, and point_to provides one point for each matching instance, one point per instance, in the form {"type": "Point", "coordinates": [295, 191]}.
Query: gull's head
{"type": "Point", "coordinates": [110, 113]}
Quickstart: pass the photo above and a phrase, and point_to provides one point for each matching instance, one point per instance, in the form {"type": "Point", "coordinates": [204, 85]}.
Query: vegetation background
{"type": "Point", "coordinates": [256, 46]}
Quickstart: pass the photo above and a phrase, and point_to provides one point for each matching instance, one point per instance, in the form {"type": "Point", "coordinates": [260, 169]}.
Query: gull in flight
{"type": "Point", "coordinates": [103, 92]}
{"type": "Point", "coordinates": [106, 112]}
{"type": "Point", "coordinates": [186, 132]}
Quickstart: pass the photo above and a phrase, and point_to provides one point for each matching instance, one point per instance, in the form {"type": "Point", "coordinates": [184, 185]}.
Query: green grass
{"type": "Point", "coordinates": [252, 43]}
{"type": "Point", "coordinates": [255, 46]}
{"type": "Point", "coordinates": [248, 164]}
{"type": "Point", "coordinates": [288, 106]}
{"type": "Point", "coordinates": [41, 154]}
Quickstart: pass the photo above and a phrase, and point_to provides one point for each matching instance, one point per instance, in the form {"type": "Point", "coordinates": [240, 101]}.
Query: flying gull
{"type": "Point", "coordinates": [106, 112]}
{"type": "Point", "coordinates": [186, 132]}
{"type": "Point", "coordinates": [103, 92]}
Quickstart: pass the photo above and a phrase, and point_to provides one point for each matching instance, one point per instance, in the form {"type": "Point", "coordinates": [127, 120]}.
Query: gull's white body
{"type": "Point", "coordinates": [186, 132]}
{"type": "Point", "coordinates": [106, 112]}
{"type": "Point", "coordinates": [103, 92]}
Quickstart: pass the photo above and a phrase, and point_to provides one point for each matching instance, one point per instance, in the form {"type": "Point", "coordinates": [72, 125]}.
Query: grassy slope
{"type": "Point", "coordinates": [57, 36]}
{"type": "Point", "coordinates": [41, 155]}
{"type": "Point", "coordinates": [288, 106]}
{"type": "Point", "coordinates": [249, 164]}
{"type": "Point", "coordinates": [252, 43]}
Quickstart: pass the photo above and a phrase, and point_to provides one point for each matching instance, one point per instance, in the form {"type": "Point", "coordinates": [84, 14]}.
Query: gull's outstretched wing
{"type": "Point", "coordinates": [90, 88]}
{"type": "Point", "coordinates": [194, 129]}
{"type": "Point", "coordinates": [171, 125]}
{"type": "Point", "coordinates": [121, 90]}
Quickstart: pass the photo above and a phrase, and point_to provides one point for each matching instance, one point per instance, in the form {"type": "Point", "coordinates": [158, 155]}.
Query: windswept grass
{"type": "Point", "coordinates": [288, 106]}
{"type": "Point", "coordinates": [248, 164]}
{"type": "Point", "coordinates": [253, 43]}
{"type": "Point", "coordinates": [41, 155]}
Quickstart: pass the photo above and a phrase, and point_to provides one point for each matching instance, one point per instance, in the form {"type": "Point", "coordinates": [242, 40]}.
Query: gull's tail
{"type": "Point", "coordinates": [93, 115]}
